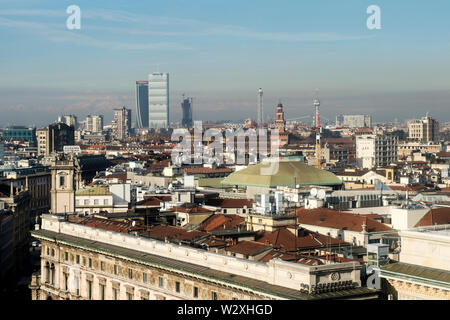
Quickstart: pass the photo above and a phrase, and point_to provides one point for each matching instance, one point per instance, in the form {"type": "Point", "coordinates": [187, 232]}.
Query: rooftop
{"type": "Point", "coordinates": [339, 220]}
{"type": "Point", "coordinates": [288, 173]}
{"type": "Point", "coordinates": [96, 190]}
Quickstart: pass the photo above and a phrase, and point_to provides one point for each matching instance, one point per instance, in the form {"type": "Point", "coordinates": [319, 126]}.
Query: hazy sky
{"type": "Point", "coordinates": [220, 52]}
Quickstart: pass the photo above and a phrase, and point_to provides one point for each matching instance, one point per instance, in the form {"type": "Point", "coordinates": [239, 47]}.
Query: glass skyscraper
{"type": "Point", "coordinates": [142, 113]}
{"type": "Point", "coordinates": [158, 100]}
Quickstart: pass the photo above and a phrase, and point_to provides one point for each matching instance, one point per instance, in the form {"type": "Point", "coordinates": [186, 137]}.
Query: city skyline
{"type": "Point", "coordinates": [221, 54]}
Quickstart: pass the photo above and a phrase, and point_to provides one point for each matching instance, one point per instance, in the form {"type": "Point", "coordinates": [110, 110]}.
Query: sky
{"type": "Point", "coordinates": [220, 52]}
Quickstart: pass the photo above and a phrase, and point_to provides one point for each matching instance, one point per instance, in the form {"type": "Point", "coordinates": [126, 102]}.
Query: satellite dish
{"type": "Point", "coordinates": [313, 192]}
{"type": "Point", "coordinates": [321, 194]}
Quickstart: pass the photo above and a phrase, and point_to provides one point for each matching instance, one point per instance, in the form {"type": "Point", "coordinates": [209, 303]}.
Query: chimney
{"type": "Point", "coordinates": [364, 225]}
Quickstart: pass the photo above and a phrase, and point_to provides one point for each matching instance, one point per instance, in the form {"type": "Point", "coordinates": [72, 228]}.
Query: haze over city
{"type": "Point", "coordinates": [256, 155]}
{"type": "Point", "coordinates": [220, 52]}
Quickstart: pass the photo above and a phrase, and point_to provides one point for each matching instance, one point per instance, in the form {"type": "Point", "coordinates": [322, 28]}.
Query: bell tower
{"type": "Point", "coordinates": [64, 183]}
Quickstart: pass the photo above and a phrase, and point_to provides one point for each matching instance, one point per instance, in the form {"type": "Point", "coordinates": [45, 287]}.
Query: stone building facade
{"type": "Point", "coordinates": [82, 262]}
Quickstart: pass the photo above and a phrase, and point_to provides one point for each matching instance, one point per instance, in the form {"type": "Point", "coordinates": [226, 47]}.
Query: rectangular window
{"type": "Point", "coordinates": [89, 288]}
{"type": "Point", "coordinates": [84, 261]}
{"type": "Point", "coordinates": [177, 287]}
{"type": "Point", "coordinates": [195, 292]}
{"type": "Point", "coordinates": [77, 286]}
{"type": "Point", "coordinates": [129, 296]}
{"type": "Point", "coordinates": [105, 202]}
{"type": "Point", "coordinates": [96, 201]}
{"type": "Point", "coordinates": [161, 282]}
{"type": "Point", "coordinates": [116, 294]}
{"type": "Point", "coordinates": [66, 256]}
{"type": "Point", "coordinates": [78, 259]}
{"type": "Point", "coordinates": [102, 292]}
{"type": "Point", "coordinates": [86, 202]}
{"type": "Point", "coordinates": [90, 263]}
{"type": "Point", "coordinates": [116, 269]}
{"type": "Point", "coordinates": [102, 266]}
{"type": "Point", "coordinates": [144, 277]}
{"type": "Point", "coordinates": [66, 281]}
{"type": "Point", "coordinates": [130, 273]}
{"type": "Point", "coordinates": [214, 295]}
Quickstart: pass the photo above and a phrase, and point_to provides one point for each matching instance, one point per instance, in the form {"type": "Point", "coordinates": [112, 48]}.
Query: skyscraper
{"type": "Point", "coordinates": [70, 120]}
{"type": "Point", "coordinates": [94, 123]}
{"type": "Point", "coordinates": [186, 106]}
{"type": "Point", "coordinates": [142, 114]}
{"type": "Point", "coordinates": [122, 123]}
{"type": "Point", "coordinates": [158, 100]}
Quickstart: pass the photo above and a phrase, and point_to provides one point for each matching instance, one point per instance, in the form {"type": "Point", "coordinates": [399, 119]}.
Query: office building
{"type": "Point", "coordinates": [54, 138]}
{"type": "Point", "coordinates": [20, 133]}
{"type": "Point", "coordinates": [142, 114]}
{"type": "Point", "coordinates": [94, 123]}
{"type": "Point", "coordinates": [424, 130]}
{"type": "Point", "coordinates": [121, 123]}
{"type": "Point", "coordinates": [375, 150]}
{"type": "Point", "coordinates": [158, 100]}
{"type": "Point", "coordinates": [70, 120]}
{"type": "Point", "coordinates": [186, 107]}
{"type": "Point", "coordinates": [354, 120]}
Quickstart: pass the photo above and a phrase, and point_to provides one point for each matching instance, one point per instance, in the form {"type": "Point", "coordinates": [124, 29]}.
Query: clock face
{"type": "Point", "coordinates": [335, 276]}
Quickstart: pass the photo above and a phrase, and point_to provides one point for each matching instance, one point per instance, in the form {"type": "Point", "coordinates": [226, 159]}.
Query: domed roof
{"type": "Point", "coordinates": [303, 173]}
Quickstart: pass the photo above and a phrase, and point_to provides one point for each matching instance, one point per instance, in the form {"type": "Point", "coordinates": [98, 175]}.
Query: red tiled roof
{"type": "Point", "coordinates": [339, 220]}
{"type": "Point", "coordinates": [249, 248]}
{"type": "Point", "coordinates": [443, 154]}
{"type": "Point", "coordinates": [221, 221]}
{"type": "Point", "coordinates": [435, 216]}
{"type": "Point", "coordinates": [162, 232]}
{"type": "Point", "coordinates": [105, 224]}
{"type": "Point", "coordinates": [153, 201]}
{"type": "Point", "coordinates": [273, 254]}
{"type": "Point", "coordinates": [284, 239]}
{"type": "Point", "coordinates": [356, 173]}
{"type": "Point", "coordinates": [122, 177]}
{"type": "Point", "coordinates": [408, 188]}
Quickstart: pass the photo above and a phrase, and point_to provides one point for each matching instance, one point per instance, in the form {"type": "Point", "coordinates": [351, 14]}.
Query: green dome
{"type": "Point", "coordinates": [303, 173]}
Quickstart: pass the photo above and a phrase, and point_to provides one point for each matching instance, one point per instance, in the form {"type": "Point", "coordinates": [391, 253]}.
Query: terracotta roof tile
{"type": "Point", "coordinates": [221, 221]}
{"type": "Point", "coordinates": [249, 248]}
{"type": "Point", "coordinates": [435, 216]}
{"type": "Point", "coordinates": [338, 220]}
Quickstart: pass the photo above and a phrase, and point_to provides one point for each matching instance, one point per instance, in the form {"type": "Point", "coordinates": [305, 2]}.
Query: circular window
{"type": "Point", "coordinates": [335, 276]}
